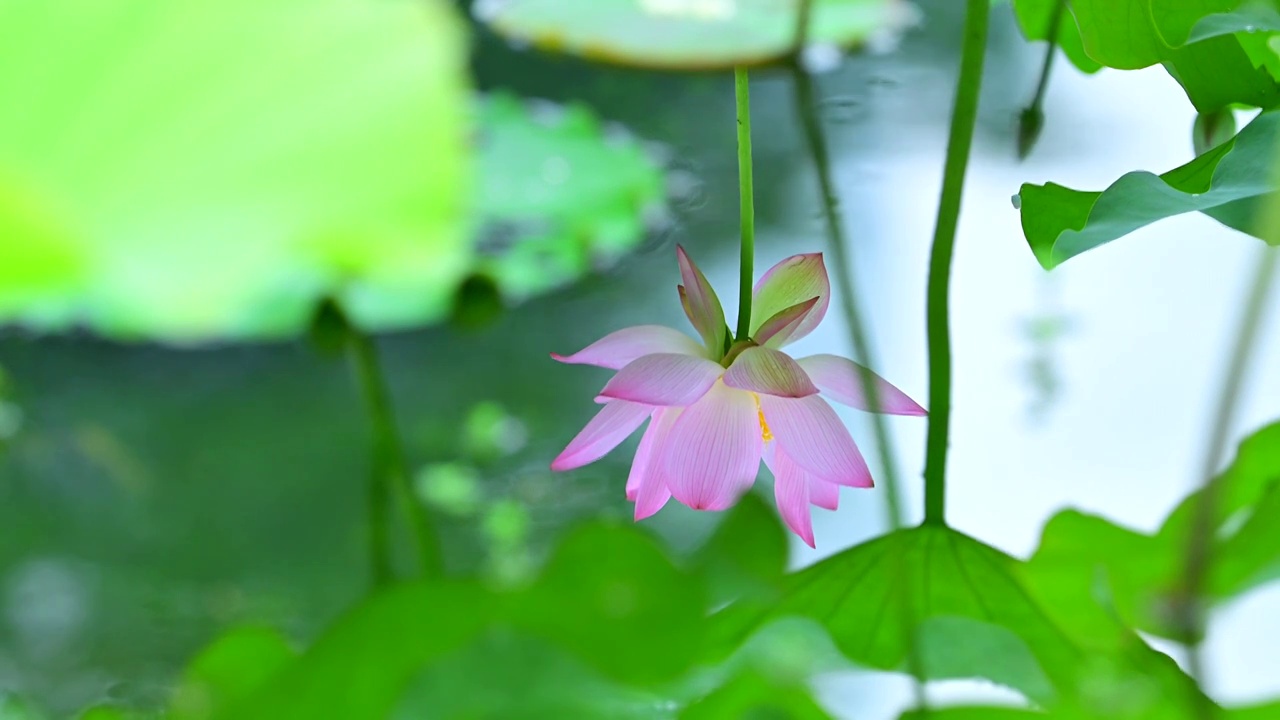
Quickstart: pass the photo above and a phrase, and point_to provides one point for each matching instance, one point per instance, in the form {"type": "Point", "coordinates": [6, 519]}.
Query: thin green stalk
{"type": "Point", "coordinates": [815, 141]}
{"type": "Point", "coordinates": [964, 118]}
{"type": "Point", "coordinates": [746, 195]}
{"type": "Point", "coordinates": [1200, 542]}
{"type": "Point", "coordinates": [837, 241]}
{"type": "Point", "coordinates": [389, 473]}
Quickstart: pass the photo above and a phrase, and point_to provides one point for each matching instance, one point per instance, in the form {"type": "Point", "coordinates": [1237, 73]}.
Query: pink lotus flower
{"type": "Point", "coordinates": [716, 409]}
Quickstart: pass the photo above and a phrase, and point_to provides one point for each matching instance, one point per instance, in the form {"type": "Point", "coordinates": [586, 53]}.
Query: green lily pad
{"type": "Point", "coordinates": [685, 34]}
{"type": "Point", "coordinates": [558, 195]}
{"type": "Point", "coordinates": [1225, 183]}
{"type": "Point", "coordinates": [964, 610]}
{"type": "Point", "coordinates": [190, 170]}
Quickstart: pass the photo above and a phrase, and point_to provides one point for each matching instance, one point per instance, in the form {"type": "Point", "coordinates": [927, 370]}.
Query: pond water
{"type": "Point", "coordinates": [152, 495]}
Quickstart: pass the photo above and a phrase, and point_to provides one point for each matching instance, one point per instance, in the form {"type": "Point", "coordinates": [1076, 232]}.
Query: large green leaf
{"type": "Point", "coordinates": [186, 169]}
{"type": "Point", "coordinates": [1202, 44]}
{"type": "Point", "coordinates": [747, 555]}
{"type": "Point", "coordinates": [1088, 571]}
{"type": "Point", "coordinates": [964, 608]}
{"type": "Point", "coordinates": [612, 596]}
{"type": "Point", "coordinates": [974, 713]}
{"type": "Point", "coordinates": [360, 667]}
{"type": "Point", "coordinates": [1035, 19]}
{"type": "Point", "coordinates": [228, 670]}
{"type": "Point", "coordinates": [685, 34]}
{"type": "Point", "coordinates": [609, 597]}
{"type": "Point", "coordinates": [1269, 711]}
{"type": "Point", "coordinates": [1224, 183]}
{"type": "Point", "coordinates": [507, 675]}
{"type": "Point", "coordinates": [751, 696]}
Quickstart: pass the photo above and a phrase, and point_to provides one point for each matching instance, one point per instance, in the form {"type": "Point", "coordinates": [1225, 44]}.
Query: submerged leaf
{"type": "Point", "coordinates": [1225, 183]}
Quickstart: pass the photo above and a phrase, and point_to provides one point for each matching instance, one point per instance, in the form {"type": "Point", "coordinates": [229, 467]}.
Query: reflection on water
{"type": "Point", "coordinates": [151, 496]}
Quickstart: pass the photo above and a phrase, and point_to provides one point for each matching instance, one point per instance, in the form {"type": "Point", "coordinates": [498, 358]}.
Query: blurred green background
{"type": "Point", "coordinates": [178, 458]}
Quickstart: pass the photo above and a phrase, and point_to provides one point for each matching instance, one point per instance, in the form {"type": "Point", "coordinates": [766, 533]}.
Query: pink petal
{"type": "Point", "coordinates": [616, 349]}
{"type": "Point", "coordinates": [824, 494]}
{"type": "Point", "coordinates": [652, 492]}
{"type": "Point", "coordinates": [778, 328]}
{"type": "Point", "coordinates": [765, 370]}
{"type": "Point", "coordinates": [610, 426]}
{"type": "Point", "coordinates": [713, 453]}
{"type": "Point", "coordinates": [791, 491]}
{"type": "Point", "coordinates": [640, 464]}
{"type": "Point", "coordinates": [663, 379]}
{"type": "Point", "coordinates": [653, 496]}
{"type": "Point", "coordinates": [809, 431]}
{"type": "Point", "coordinates": [841, 380]}
{"type": "Point", "coordinates": [792, 281]}
{"type": "Point", "coordinates": [700, 303]}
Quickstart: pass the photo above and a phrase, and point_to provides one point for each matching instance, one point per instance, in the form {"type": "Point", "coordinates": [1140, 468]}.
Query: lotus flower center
{"type": "Point", "coordinates": [764, 426]}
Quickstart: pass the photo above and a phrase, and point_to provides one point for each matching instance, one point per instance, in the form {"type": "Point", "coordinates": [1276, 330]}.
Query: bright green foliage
{"type": "Point", "coordinates": [555, 200]}
{"type": "Point", "coordinates": [1224, 183]}
{"type": "Point", "coordinates": [1088, 571]}
{"type": "Point", "coordinates": [1035, 18]}
{"type": "Point", "coordinates": [966, 609]}
{"type": "Point", "coordinates": [228, 670]}
{"type": "Point", "coordinates": [747, 556]}
{"type": "Point", "coordinates": [189, 170]}
{"type": "Point", "coordinates": [750, 696]}
{"type": "Point", "coordinates": [637, 601]}
{"type": "Point", "coordinates": [360, 667]}
{"type": "Point", "coordinates": [1270, 711]}
{"type": "Point", "coordinates": [508, 675]}
{"type": "Point", "coordinates": [686, 34]}
{"type": "Point", "coordinates": [974, 713]}
{"type": "Point", "coordinates": [1216, 49]}
{"type": "Point", "coordinates": [633, 617]}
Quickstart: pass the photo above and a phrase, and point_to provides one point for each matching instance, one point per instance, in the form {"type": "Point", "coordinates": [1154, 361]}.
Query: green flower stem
{"type": "Point", "coordinates": [964, 118]}
{"type": "Point", "coordinates": [389, 473]}
{"type": "Point", "coordinates": [746, 195]}
{"type": "Point", "coordinates": [1200, 541]}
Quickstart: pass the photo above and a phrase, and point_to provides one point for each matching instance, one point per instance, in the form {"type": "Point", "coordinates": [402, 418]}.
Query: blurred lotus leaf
{"type": "Point", "coordinates": [190, 170]}
{"type": "Point", "coordinates": [687, 34]}
{"type": "Point", "coordinates": [559, 194]}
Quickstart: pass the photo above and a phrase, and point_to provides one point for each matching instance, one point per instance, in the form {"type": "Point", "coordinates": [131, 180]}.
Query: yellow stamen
{"type": "Point", "coordinates": [764, 426]}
